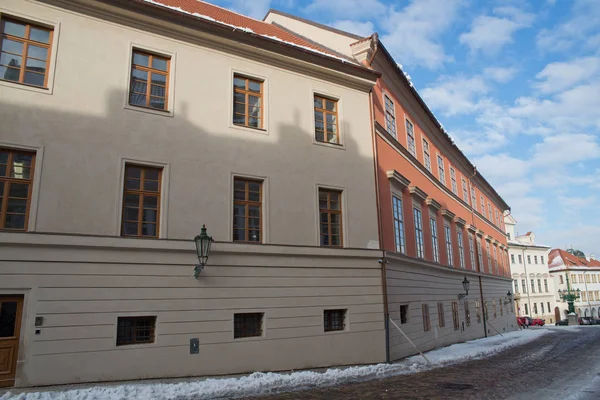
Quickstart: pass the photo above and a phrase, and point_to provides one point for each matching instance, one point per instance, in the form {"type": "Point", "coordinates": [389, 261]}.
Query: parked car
{"type": "Point", "coordinates": [589, 321]}
{"type": "Point", "coordinates": [538, 322]}
{"type": "Point", "coordinates": [584, 321]}
{"type": "Point", "coordinates": [562, 322]}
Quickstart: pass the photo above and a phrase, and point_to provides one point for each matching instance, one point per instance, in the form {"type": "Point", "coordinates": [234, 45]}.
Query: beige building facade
{"type": "Point", "coordinates": [134, 137]}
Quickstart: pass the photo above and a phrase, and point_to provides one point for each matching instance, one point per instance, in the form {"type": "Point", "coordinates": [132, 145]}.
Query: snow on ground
{"type": "Point", "coordinates": [259, 383]}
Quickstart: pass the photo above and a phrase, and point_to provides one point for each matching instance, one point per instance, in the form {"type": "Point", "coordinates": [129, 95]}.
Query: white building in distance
{"type": "Point", "coordinates": [534, 290]}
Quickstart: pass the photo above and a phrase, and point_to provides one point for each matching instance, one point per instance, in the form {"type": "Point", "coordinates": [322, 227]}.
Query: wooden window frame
{"type": "Point", "coordinates": [390, 115]}
{"type": "Point", "coordinates": [243, 325]}
{"type": "Point", "coordinates": [142, 195]}
{"type": "Point", "coordinates": [335, 320]}
{"type": "Point", "coordinates": [455, 316]}
{"type": "Point", "coordinates": [330, 211]}
{"type": "Point", "coordinates": [247, 203]}
{"type": "Point", "coordinates": [441, 316]}
{"type": "Point", "coordinates": [120, 341]}
{"type": "Point", "coordinates": [325, 111]}
{"type": "Point", "coordinates": [6, 181]}
{"type": "Point", "coordinates": [247, 93]}
{"type": "Point", "coordinates": [26, 43]}
{"type": "Point", "coordinates": [426, 318]}
{"type": "Point", "coordinates": [150, 70]}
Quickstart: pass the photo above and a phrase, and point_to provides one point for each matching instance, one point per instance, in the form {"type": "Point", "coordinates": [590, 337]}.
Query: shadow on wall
{"type": "Point", "coordinates": [80, 185]}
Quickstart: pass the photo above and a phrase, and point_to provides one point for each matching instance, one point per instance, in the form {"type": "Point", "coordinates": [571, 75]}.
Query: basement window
{"type": "Point", "coordinates": [334, 320]}
{"type": "Point", "coordinates": [247, 325]}
{"type": "Point", "coordinates": [135, 330]}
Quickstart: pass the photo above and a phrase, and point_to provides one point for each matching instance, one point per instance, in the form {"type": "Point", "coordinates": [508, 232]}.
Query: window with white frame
{"type": "Point", "coordinates": [546, 285]}
{"type": "Point", "coordinates": [489, 255]}
{"type": "Point", "coordinates": [398, 224]}
{"type": "Point", "coordinates": [448, 244]}
{"type": "Point", "coordinates": [453, 181]}
{"type": "Point", "coordinates": [465, 191]}
{"type": "Point", "coordinates": [495, 260]}
{"type": "Point", "coordinates": [473, 199]}
{"type": "Point", "coordinates": [410, 138]}
{"type": "Point", "coordinates": [497, 218]}
{"type": "Point", "coordinates": [472, 250]}
{"type": "Point", "coordinates": [390, 116]}
{"type": "Point", "coordinates": [482, 206]}
{"type": "Point", "coordinates": [441, 170]}
{"type": "Point", "coordinates": [480, 254]}
{"type": "Point", "coordinates": [542, 258]}
{"type": "Point", "coordinates": [426, 155]}
{"type": "Point", "coordinates": [434, 239]}
{"type": "Point", "coordinates": [418, 232]}
{"type": "Point", "coordinates": [461, 249]}
{"type": "Point", "coordinates": [512, 258]}
{"type": "Point", "coordinates": [490, 214]}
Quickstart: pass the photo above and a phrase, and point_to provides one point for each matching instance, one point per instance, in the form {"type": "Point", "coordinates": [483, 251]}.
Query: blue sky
{"type": "Point", "coordinates": [517, 85]}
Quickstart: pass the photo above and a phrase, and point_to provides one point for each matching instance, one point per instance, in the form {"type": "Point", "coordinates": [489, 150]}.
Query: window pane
{"type": "Point", "coordinates": [239, 210]}
{"type": "Point", "coordinates": [320, 136]}
{"type": "Point", "coordinates": [150, 202]}
{"type": "Point", "coordinates": [19, 172]}
{"type": "Point", "coordinates": [159, 79]}
{"type": "Point", "coordinates": [330, 105]}
{"type": "Point", "coordinates": [254, 112]}
{"type": "Point", "coordinates": [157, 102]}
{"type": "Point", "coordinates": [254, 101]}
{"type": "Point", "coordinates": [137, 99]}
{"type": "Point", "coordinates": [331, 118]}
{"type": "Point", "coordinates": [33, 78]}
{"type": "Point", "coordinates": [254, 186]}
{"type": "Point", "coordinates": [140, 75]}
{"type": "Point", "coordinates": [10, 60]}
{"type": "Point", "coordinates": [15, 221]}
{"type": "Point", "coordinates": [149, 215]}
{"type": "Point", "coordinates": [139, 86]}
{"type": "Point", "coordinates": [132, 184]}
{"type": "Point", "coordinates": [254, 212]}
{"type": "Point", "coordinates": [318, 103]}
{"type": "Point", "coordinates": [12, 46]}
{"type": "Point", "coordinates": [158, 91]}
{"type": "Point", "coordinates": [148, 229]}
{"type": "Point", "coordinates": [318, 116]}
{"type": "Point", "coordinates": [133, 172]}
{"type": "Point", "coordinates": [151, 174]}
{"type": "Point", "coordinates": [140, 59]}
{"type": "Point", "coordinates": [159, 63]}
{"type": "Point", "coordinates": [331, 137]}
{"type": "Point", "coordinates": [36, 65]}
{"type": "Point", "coordinates": [37, 52]}
{"type": "Point", "coordinates": [331, 128]}
{"type": "Point", "coordinates": [132, 200]}
{"type": "Point", "coordinates": [239, 108]}
{"type": "Point", "coordinates": [14, 28]}
{"type": "Point", "coordinates": [239, 97]}
{"type": "Point", "coordinates": [18, 190]}
{"type": "Point", "coordinates": [336, 240]}
{"type": "Point", "coordinates": [3, 157]}
{"type": "Point", "coordinates": [254, 223]}
{"type": "Point", "coordinates": [130, 228]}
{"type": "Point", "coordinates": [22, 160]}
{"type": "Point", "coordinates": [239, 222]}
{"type": "Point", "coordinates": [254, 122]}
{"type": "Point", "coordinates": [239, 83]}
{"type": "Point", "coordinates": [3, 170]}
{"type": "Point", "coordinates": [254, 86]}
{"type": "Point", "coordinates": [254, 236]}
{"type": "Point", "coordinates": [10, 74]}
{"type": "Point", "coordinates": [16, 206]}
{"type": "Point", "coordinates": [130, 214]}
{"type": "Point", "coordinates": [239, 234]}
{"type": "Point", "coordinates": [39, 35]}
{"type": "Point", "coordinates": [8, 318]}
{"type": "Point", "coordinates": [335, 218]}
{"type": "Point", "coordinates": [335, 229]}
{"type": "Point", "coordinates": [151, 186]}
{"type": "Point", "coordinates": [319, 125]}
{"type": "Point", "coordinates": [239, 195]}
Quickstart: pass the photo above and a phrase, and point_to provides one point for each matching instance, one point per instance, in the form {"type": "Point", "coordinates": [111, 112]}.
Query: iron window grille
{"type": "Point", "coordinates": [334, 320]}
{"type": "Point", "coordinates": [135, 330]}
{"type": "Point", "coordinates": [247, 325]}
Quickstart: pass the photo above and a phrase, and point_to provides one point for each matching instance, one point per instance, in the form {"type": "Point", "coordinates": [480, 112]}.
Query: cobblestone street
{"type": "Point", "coordinates": [563, 363]}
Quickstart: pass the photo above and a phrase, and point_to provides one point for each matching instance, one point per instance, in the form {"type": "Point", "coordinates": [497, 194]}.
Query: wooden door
{"type": "Point", "coordinates": [11, 308]}
{"type": "Point", "coordinates": [557, 314]}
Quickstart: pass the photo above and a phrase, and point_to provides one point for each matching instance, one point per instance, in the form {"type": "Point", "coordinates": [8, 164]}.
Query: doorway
{"type": "Point", "coordinates": [557, 314]}
{"type": "Point", "coordinates": [11, 309]}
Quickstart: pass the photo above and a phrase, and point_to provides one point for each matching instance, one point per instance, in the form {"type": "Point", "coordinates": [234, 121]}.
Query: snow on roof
{"type": "Point", "coordinates": [222, 16]}
{"type": "Point", "coordinates": [560, 259]}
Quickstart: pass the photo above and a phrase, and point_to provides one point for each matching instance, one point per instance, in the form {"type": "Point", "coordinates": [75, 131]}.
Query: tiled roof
{"type": "Point", "coordinates": [234, 19]}
{"type": "Point", "coordinates": [569, 260]}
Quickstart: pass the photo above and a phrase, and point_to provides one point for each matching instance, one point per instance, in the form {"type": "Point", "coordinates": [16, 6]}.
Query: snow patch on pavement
{"type": "Point", "coordinates": [258, 383]}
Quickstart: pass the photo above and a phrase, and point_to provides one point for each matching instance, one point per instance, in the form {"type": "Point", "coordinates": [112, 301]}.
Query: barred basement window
{"type": "Point", "coordinates": [404, 313]}
{"type": "Point", "coordinates": [334, 320]}
{"type": "Point", "coordinates": [135, 330]}
{"type": "Point", "coordinates": [247, 325]}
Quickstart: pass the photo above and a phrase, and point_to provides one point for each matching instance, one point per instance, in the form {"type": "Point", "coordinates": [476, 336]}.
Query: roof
{"type": "Point", "coordinates": [561, 259]}
{"type": "Point", "coordinates": [313, 23]}
{"type": "Point", "coordinates": [512, 242]}
{"type": "Point", "coordinates": [209, 12]}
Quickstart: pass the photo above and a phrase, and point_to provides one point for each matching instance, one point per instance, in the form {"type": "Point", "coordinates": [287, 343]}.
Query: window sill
{"type": "Point", "coordinates": [261, 131]}
{"type": "Point", "coordinates": [338, 146]}
{"type": "Point", "coordinates": [24, 86]}
{"type": "Point", "coordinates": [162, 113]}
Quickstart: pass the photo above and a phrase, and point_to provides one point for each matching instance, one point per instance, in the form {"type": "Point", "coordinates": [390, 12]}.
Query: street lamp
{"type": "Point", "coordinates": [466, 285]}
{"type": "Point", "coordinates": [203, 242]}
{"type": "Point", "coordinates": [508, 297]}
{"type": "Point", "coordinates": [569, 295]}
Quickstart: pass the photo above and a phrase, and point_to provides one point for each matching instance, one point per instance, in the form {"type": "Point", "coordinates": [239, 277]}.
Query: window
{"type": "Point", "coordinates": [472, 251]}
{"type": "Point", "coordinates": [560, 278]}
{"type": "Point", "coordinates": [247, 325]}
{"type": "Point", "coordinates": [478, 311]}
{"type": "Point", "coordinates": [467, 313]}
{"type": "Point", "coordinates": [426, 322]}
{"type": "Point", "coordinates": [135, 330]}
{"type": "Point", "coordinates": [546, 285]}
{"type": "Point", "coordinates": [516, 285]}
{"type": "Point", "coordinates": [418, 232]}
{"type": "Point", "coordinates": [495, 260]}
{"type": "Point", "coordinates": [482, 206]}
{"type": "Point", "coordinates": [532, 285]}
{"type": "Point", "coordinates": [461, 249]}
{"type": "Point", "coordinates": [334, 320]}
{"type": "Point", "coordinates": [526, 309]}
{"type": "Point", "coordinates": [535, 308]}
{"type": "Point", "coordinates": [141, 201]}
{"type": "Point", "coordinates": [497, 218]}
{"type": "Point", "coordinates": [489, 255]}
{"type": "Point", "coordinates": [524, 285]}
{"type": "Point", "coordinates": [594, 278]}
{"type": "Point", "coordinates": [473, 199]}
{"type": "Point", "coordinates": [453, 181]}
{"type": "Point", "coordinates": [581, 278]}
{"type": "Point", "coordinates": [448, 244]}
{"type": "Point", "coordinates": [490, 214]}
{"type": "Point", "coordinates": [330, 216]}
{"type": "Point", "coordinates": [486, 314]}
{"type": "Point", "coordinates": [465, 191]}
{"type": "Point", "coordinates": [494, 309]}
{"type": "Point", "coordinates": [542, 259]}
{"type": "Point", "coordinates": [548, 306]}
{"type": "Point", "coordinates": [587, 278]}
{"type": "Point", "coordinates": [247, 210]}
{"type": "Point", "coordinates": [398, 224]}
{"type": "Point", "coordinates": [404, 313]}
{"type": "Point", "coordinates": [583, 296]}
{"type": "Point", "coordinates": [512, 258]}
{"type": "Point", "coordinates": [426, 155]}
{"type": "Point", "coordinates": [574, 278]}
{"type": "Point", "coordinates": [480, 254]}
{"type": "Point", "coordinates": [390, 116]}
{"type": "Point", "coordinates": [16, 183]}
{"type": "Point", "coordinates": [149, 80]}
{"type": "Point", "coordinates": [248, 102]}
{"type": "Point", "coordinates": [441, 317]}
{"type": "Point", "coordinates": [25, 52]}
{"type": "Point", "coordinates": [535, 259]}
{"type": "Point", "coordinates": [539, 282]}
{"type": "Point", "coordinates": [455, 318]}
{"type": "Point", "coordinates": [528, 259]}
{"type": "Point", "coordinates": [434, 239]}
{"type": "Point", "coordinates": [520, 259]}
{"type": "Point", "coordinates": [542, 308]}
{"type": "Point", "coordinates": [441, 170]}
{"type": "Point", "coordinates": [410, 138]}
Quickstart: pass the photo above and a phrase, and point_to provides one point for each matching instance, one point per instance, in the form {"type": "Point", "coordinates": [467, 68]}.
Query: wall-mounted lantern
{"type": "Point", "coordinates": [203, 242]}
{"type": "Point", "coordinates": [466, 285]}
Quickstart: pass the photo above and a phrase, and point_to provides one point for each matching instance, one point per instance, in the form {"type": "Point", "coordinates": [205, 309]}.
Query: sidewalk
{"type": "Point", "coordinates": [258, 384]}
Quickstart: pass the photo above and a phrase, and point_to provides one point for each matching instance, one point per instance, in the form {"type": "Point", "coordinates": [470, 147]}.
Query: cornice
{"type": "Point", "coordinates": [431, 202]}
{"type": "Point", "coordinates": [447, 214]}
{"type": "Point", "coordinates": [460, 221]}
{"type": "Point", "coordinates": [417, 192]}
{"type": "Point", "coordinates": [397, 178]}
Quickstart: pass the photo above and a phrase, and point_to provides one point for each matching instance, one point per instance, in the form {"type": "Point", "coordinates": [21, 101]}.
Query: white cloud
{"type": "Point", "coordinates": [500, 74]}
{"type": "Point", "coordinates": [455, 95]}
{"type": "Point", "coordinates": [558, 76]}
{"type": "Point", "coordinates": [565, 149]}
{"type": "Point", "coordinates": [501, 166]}
{"type": "Point", "coordinates": [489, 34]}
{"type": "Point", "coordinates": [255, 8]}
{"type": "Point", "coordinates": [347, 9]}
{"type": "Point", "coordinates": [355, 27]}
{"type": "Point", "coordinates": [585, 18]}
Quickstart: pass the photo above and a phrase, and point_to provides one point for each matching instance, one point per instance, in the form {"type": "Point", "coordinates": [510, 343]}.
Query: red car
{"type": "Point", "coordinates": [538, 322]}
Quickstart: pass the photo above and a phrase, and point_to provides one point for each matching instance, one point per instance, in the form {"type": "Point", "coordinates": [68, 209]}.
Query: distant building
{"type": "Point", "coordinates": [583, 273]}
{"type": "Point", "coordinates": [534, 293]}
